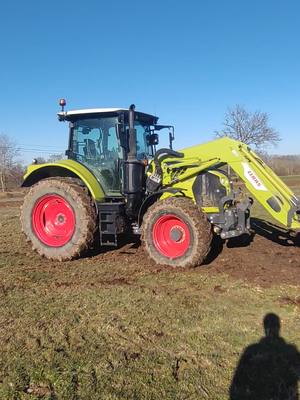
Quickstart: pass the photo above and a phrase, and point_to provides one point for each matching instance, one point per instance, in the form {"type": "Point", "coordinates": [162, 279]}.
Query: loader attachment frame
{"type": "Point", "coordinates": [267, 188]}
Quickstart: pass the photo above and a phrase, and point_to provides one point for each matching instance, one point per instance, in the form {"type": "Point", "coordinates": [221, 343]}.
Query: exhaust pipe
{"type": "Point", "coordinates": [134, 173]}
{"type": "Point", "coordinates": [132, 134]}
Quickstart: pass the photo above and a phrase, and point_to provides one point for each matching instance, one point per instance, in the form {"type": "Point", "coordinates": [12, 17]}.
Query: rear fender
{"type": "Point", "coordinates": [64, 168]}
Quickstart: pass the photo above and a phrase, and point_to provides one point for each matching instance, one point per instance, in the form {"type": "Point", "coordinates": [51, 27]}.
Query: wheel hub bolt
{"type": "Point", "coordinates": [60, 219]}
{"type": "Point", "coordinates": [176, 234]}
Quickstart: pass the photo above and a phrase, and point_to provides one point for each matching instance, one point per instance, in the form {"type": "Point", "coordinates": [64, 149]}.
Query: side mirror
{"type": "Point", "coordinates": [153, 139]}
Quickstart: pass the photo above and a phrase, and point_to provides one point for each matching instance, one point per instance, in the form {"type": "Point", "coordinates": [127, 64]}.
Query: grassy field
{"type": "Point", "coordinates": [109, 327]}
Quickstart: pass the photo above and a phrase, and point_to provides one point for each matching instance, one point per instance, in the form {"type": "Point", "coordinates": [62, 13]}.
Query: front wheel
{"type": "Point", "coordinates": [58, 217]}
{"type": "Point", "coordinates": [176, 232]}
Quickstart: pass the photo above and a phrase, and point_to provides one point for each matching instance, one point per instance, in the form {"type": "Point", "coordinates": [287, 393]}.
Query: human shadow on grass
{"type": "Point", "coordinates": [269, 369]}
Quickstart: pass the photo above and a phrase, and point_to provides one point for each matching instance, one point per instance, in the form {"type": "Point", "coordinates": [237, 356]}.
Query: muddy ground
{"type": "Point", "coordinates": [269, 256]}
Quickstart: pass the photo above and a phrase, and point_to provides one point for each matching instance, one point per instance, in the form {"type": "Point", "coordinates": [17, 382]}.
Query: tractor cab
{"type": "Point", "coordinates": [100, 139]}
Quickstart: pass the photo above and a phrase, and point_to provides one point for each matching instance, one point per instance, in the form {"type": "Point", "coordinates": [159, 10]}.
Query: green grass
{"type": "Point", "coordinates": [72, 332]}
{"type": "Point", "coordinates": [109, 328]}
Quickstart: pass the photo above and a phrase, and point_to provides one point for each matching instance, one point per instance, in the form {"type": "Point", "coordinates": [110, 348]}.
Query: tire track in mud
{"type": "Point", "coordinates": [269, 257]}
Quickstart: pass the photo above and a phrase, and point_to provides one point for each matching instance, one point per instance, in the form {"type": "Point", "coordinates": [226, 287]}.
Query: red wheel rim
{"type": "Point", "coordinates": [171, 236]}
{"type": "Point", "coordinates": [53, 220]}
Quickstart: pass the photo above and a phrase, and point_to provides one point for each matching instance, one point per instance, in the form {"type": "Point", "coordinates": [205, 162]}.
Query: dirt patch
{"type": "Point", "coordinates": [11, 199]}
{"type": "Point", "coordinates": [270, 256]}
{"type": "Point", "coordinates": [11, 203]}
{"type": "Point", "coordinates": [261, 261]}
{"type": "Point", "coordinates": [12, 194]}
{"type": "Point", "coordinates": [295, 301]}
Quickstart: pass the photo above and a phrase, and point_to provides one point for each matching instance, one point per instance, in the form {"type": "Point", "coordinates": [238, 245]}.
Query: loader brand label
{"type": "Point", "coordinates": [251, 176]}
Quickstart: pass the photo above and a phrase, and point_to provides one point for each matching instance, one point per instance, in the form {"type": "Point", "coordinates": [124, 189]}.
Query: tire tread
{"type": "Point", "coordinates": [197, 220]}
{"type": "Point", "coordinates": [88, 221]}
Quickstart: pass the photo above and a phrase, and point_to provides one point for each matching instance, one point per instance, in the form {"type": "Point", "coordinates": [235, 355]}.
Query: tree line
{"type": "Point", "coordinates": [284, 165]}
{"type": "Point", "coordinates": [12, 169]}
{"type": "Point", "coordinates": [252, 128]}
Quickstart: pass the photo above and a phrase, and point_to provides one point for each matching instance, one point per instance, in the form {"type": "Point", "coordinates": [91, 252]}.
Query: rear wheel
{"type": "Point", "coordinates": [176, 232]}
{"type": "Point", "coordinates": [58, 217]}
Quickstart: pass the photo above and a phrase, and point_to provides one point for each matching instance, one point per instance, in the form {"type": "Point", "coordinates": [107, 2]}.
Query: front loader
{"type": "Point", "coordinates": [115, 182]}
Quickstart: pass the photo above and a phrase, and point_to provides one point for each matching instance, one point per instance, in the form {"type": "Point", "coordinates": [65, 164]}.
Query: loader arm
{"type": "Point", "coordinates": [268, 189]}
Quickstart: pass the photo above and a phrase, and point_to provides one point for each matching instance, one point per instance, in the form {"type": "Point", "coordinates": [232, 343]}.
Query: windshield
{"type": "Point", "coordinates": [143, 150]}
{"type": "Point", "coordinates": [94, 143]}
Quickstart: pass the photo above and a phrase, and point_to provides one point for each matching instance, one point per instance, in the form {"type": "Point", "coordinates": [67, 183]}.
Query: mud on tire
{"type": "Point", "coordinates": [167, 215]}
{"type": "Point", "coordinates": [82, 212]}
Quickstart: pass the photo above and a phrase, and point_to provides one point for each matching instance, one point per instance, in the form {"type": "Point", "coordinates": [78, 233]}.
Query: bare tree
{"type": "Point", "coordinates": [15, 177]}
{"type": "Point", "coordinates": [8, 154]}
{"type": "Point", "coordinates": [250, 128]}
{"type": "Point", "coordinates": [39, 160]}
{"type": "Point", "coordinates": [56, 157]}
{"type": "Point", "coordinates": [51, 159]}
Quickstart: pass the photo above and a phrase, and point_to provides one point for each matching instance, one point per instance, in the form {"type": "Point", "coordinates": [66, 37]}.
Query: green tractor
{"type": "Point", "coordinates": [115, 182]}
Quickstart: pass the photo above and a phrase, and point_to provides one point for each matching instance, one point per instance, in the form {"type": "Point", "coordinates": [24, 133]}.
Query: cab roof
{"type": "Point", "coordinates": [75, 114]}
